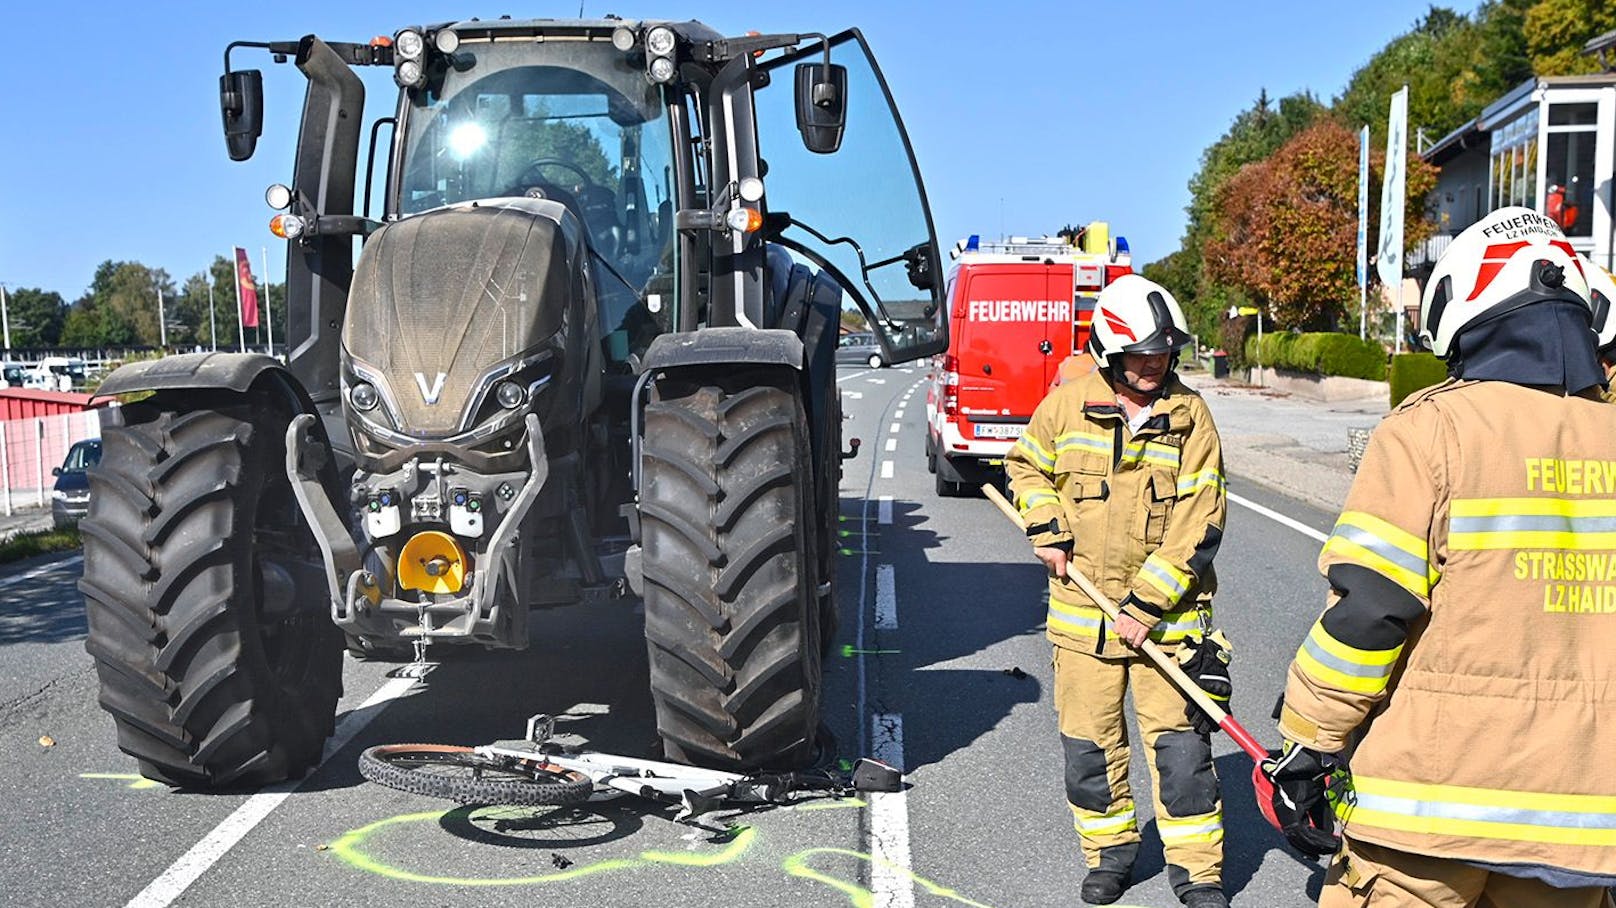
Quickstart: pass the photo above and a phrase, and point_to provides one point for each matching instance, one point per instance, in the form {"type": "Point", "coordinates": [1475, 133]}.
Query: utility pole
{"type": "Point", "coordinates": [213, 331]}
{"type": "Point", "coordinates": [5, 317]}
{"type": "Point", "coordinates": [162, 321]}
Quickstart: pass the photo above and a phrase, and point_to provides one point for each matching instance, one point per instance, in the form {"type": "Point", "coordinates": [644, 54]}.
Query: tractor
{"type": "Point", "coordinates": [581, 343]}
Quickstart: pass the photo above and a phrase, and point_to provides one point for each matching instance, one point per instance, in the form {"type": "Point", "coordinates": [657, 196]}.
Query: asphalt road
{"type": "Point", "coordinates": [941, 606]}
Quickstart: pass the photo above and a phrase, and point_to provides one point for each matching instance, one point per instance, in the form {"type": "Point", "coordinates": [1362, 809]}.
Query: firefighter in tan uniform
{"type": "Point", "coordinates": [1465, 654]}
{"type": "Point", "coordinates": [1120, 476]}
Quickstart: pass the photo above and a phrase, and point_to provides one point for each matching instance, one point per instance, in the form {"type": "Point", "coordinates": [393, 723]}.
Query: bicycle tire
{"type": "Point", "coordinates": [462, 775]}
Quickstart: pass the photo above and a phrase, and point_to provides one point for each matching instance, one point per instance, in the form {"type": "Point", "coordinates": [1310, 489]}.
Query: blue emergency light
{"type": "Point", "coordinates": [973, 243]}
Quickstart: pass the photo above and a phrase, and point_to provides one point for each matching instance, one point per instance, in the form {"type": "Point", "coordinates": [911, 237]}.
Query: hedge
{"type": "Point", "coordinates": [1320, 353]}
{"type": "Point", "coordinates": [1413, 371]}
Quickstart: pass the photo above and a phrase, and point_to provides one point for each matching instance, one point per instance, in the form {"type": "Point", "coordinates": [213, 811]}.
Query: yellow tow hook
{"type": "Point", "coordinates": [432, 562]}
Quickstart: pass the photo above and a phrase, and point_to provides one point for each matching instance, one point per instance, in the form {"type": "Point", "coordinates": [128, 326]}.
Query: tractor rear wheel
{"type": "Point", "coordinates": [731, 567]}
{"type": "Point", "coordinates": [216, 672]}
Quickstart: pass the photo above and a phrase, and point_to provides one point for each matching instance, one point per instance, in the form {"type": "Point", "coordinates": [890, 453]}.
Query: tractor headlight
{"type": "Point", "coordinates": [409, 44]}
{"type": "Point", "coordinates": [510, 395]}
{"type": "Point", "coordinates": [446, 40]}
{"type": "Point", "coordinates": [623, 38]}
{"type": "Point", "coordinates": [659, 41]}
{"type": "Point", "coordinates": [363, 396]}
{"type": "Point", "coordinates": [408, 74]}
{"type": "Point", "coordinates": [661, 69]}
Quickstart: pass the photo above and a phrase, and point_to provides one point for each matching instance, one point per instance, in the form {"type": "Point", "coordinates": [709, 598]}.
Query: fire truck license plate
{"type": "Point", "coordinates": [999, 430]}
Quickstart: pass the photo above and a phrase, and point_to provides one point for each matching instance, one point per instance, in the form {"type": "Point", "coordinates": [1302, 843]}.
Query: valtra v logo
{"type": "Point", "coordinates": [430, 395]}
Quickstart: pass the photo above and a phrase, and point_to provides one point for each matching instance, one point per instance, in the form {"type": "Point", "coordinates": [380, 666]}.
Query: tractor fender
{"type": "Point", "coordinates": [725, 346]}
{"type": "Point", "coordinates": [237, 372]}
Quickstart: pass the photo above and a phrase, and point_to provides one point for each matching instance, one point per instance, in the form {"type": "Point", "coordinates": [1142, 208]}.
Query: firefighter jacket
{"type": "Point", "coordinates": [1471, 622]}
{"type": "Point", "coordinates": [1143, 512]}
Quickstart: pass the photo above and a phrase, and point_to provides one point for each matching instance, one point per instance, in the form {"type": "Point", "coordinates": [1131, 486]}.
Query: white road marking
{"type": "Point", "coordinates": [886, 469]}
{"type": "Point", "coordinates": [46, 568]}
{"type": "Point", "coordinates": [853, 395]}
{"type": "Point", "coordinates": [892, 444]}
{"type": "Point", "coordinates": [853, 375]}
{"type": "Point", "coordinates": [1277, 517]}
{"type": "Point", "coordinates": [898, 415]}
{"type": "Point", "coordinates": [878, 381]}
{"type": "Point", "coordinates": [894, 428]}
{"type": "Point", "coordinates": [192, 864]}
{"type": "Point", "coordinates": [886, 598]}
{"type": "Point", "coordinates": [884, 510]}
{"type": "Point", "coordinates": [891, 882]}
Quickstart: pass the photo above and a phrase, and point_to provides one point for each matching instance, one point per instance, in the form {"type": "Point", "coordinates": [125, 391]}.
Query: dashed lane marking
{"type": "Point", "coordinates": [898, 415]}
{"type": "Point", "coordinates": [886, 469]}
{"type": "Point", "coordinates": [886, 598]}
{"type": "Point", "coordinates": [853, 395]}
{"type": "Point", "coordinates": [884, 510]}
{"type": "Point", "coordinates": [1279, 518]}
{"type": "Point", "coordinates": [892, 444]}
{"type": "Point", "coordinates": [878, 381]}
{"type": "Point", "coordinates": [890, 879]}
{"type": "Point", "coordinates": [894, 428]}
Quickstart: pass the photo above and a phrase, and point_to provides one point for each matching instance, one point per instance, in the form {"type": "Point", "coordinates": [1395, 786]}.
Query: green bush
{"type": "Point", "coordinates": [27, 545]}
{"type": "Point", "coordinates": [1413, 371]}
{"type": "Point", "coordinates": [1320, 353]}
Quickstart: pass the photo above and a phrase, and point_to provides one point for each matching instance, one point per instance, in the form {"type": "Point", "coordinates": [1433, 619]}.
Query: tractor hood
{"type": "Point", "coordinates": [446, 302]}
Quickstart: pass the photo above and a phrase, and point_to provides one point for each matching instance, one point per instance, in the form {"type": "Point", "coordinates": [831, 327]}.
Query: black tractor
{"type": "Point", "coordinates": [587, 344]}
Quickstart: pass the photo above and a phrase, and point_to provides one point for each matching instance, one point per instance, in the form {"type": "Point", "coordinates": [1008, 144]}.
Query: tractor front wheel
{"type": "Point", "coordinates": [217, 673]}
{"type": "Point", "coordinates": [731, 568]}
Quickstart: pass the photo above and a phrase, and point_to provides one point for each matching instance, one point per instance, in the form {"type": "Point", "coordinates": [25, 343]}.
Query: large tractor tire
{"type": "Point", "coordinates": [217, 673]}
{"type": "Point", "coordinates": [731, 566]}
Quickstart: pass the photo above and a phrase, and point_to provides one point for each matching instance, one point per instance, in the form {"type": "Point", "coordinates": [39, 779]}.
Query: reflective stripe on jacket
{"type": "Point", "coordinates": [1469, 631]}
{"type": "Point", "coordinates": [1143, 510]}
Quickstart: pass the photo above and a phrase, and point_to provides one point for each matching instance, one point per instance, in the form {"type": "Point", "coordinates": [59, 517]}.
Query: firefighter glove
{"type": "Point", "coordinates": [1302, 778]}
{"type": "Point", "coordinates": [1205, 658]}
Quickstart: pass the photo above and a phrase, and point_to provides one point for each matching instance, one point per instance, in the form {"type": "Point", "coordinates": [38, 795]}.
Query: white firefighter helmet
{"type": "Point", "coordinates": [1513, 257]}
{"type": "Point", "coordinates": [1135, 315]}
{"type": "Point", "coordinates": [1602, 295]}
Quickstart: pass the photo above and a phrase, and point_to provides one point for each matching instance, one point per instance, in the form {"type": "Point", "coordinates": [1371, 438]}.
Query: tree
{"type": "Point", "coordinates": [35, 316]}
{"type": "Point", "coordinates": [1287, 226]}
{"type": "Point", "coordinates": [1556, 30]}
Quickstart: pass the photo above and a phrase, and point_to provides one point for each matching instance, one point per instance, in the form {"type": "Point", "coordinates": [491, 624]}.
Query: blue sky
{"type": "Point", "coordinates": [1024, 116]}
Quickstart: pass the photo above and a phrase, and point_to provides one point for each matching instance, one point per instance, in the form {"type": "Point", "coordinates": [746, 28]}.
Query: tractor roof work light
{"type": "Point", "coordinates": [409, 51]}
{"type": "Point", "coordinates": [659, 41]}
{"type": "Point", "coordinates": [623, 38]}
{"type": "Point", "coordinates": [660, 69]}
{"type": "Point", "coordinates": [446, 40]}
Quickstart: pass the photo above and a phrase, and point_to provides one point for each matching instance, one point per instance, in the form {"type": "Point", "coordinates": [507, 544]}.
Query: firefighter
{"type": "Point", "coordinates": [1465, 644]}
{"type": "Point", "coordinates": [1120, 476]}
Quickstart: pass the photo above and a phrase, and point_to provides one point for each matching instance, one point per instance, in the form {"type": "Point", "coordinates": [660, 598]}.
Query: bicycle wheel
{"type": "Point", "coordinates": [462, 775]}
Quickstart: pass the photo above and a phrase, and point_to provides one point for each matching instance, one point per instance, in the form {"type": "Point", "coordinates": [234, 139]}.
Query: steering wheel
{"type": "Point", "coordinates": [532, 175]}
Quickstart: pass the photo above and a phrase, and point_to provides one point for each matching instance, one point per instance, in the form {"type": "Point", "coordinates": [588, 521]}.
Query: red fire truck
{"type": "Point", "coordinates": [1017, 309]}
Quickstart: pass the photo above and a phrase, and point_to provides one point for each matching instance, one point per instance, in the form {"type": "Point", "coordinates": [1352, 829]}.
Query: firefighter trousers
{"type": "Point", "coordinates": [1089, 694]}
{"type": "Point", "coordinates": [1366, 874]}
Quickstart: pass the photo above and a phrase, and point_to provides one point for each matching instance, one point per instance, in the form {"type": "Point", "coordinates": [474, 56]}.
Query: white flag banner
{"type": "Point", "coordinates": [1359, 263]}
{"type": "Point", "coordinates": [1389, 256]}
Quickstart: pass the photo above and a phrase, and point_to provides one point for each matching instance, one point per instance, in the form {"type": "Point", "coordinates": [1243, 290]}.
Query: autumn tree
{"type": "Point", "coordinates": [1286, 227]}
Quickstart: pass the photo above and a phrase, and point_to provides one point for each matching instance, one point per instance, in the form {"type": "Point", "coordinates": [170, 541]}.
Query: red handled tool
{"type": "Point", "coordinates": [1260, 782]}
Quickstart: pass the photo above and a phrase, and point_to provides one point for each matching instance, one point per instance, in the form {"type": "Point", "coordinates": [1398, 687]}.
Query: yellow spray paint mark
{"type": "Point", "coordinates": [135, 781]}
{"type": "Point", "coordinates": [350, 848]}
{"type": "Point", "coordinates": [830, 805]}
{"type": "Point", "coordinates": [797, 865]}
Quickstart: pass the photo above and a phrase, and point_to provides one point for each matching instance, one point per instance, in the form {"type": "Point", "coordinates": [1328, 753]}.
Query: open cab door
{"type": "Point", "coordinates": [857, 208]}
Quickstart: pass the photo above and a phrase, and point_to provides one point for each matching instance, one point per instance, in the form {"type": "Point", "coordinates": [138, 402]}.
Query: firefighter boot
{"type": "Point", "coordinates": [1205, 898]}
{"type": "Point", "coordinates": [1102, 887]}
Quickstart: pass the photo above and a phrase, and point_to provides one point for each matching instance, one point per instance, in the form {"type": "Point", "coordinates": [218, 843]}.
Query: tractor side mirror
{"type": "Point", "coordinates": [241, 100]}
{"type": "Point", "coordinates": [821, 100]}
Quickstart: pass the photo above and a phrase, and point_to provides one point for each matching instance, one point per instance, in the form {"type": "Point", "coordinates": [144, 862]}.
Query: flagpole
{"type": "Point", "coordinates": [213, 330]}
{"type": "Point", "coordinates": [5, 317]}
{"type": "Point", "coordinates": [241, 327]}
{"type": "Point", "coordinates": [162, 323]}
{"type": "Point", "coordinates": [269, 311]}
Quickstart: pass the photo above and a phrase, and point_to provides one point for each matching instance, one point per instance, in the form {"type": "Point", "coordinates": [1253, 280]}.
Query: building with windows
{"type": "Point", "coordinates": [1550, 144]}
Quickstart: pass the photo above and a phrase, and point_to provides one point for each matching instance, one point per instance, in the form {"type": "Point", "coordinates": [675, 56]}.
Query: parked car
{"type": "Point", "coordinates": [859, 347]}
{"type": "Point", "coordinates": [70, 499]}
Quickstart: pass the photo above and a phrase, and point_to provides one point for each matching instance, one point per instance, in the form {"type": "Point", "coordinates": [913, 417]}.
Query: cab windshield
{"type": "Point", "coordinates": [570, 121]}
